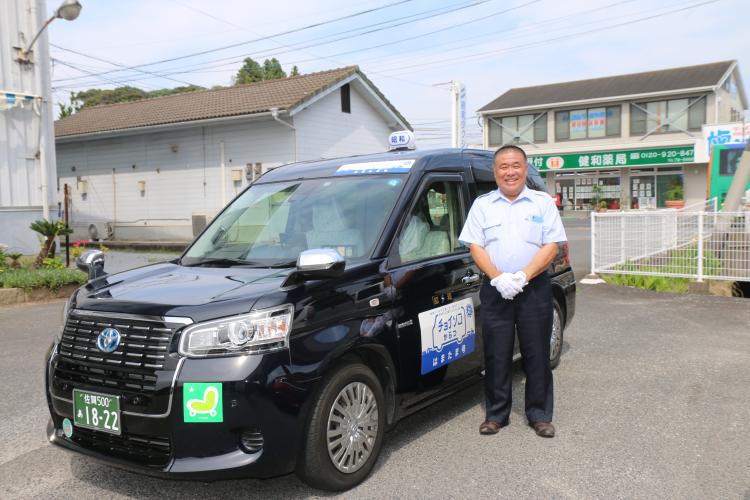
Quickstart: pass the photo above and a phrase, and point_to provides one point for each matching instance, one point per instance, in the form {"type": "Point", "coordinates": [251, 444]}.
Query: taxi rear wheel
{"type": "Point", "coordinates": [556, 337]}
{"type": "Point", "coordinates": [346, 430]}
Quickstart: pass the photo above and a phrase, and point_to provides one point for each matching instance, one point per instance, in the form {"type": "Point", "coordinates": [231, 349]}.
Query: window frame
{"type": "Point", "coordinates": [635, 109]}
{"type": "Point", "coordinates": [539, 123]}
{"type": "Point", "coordinates": [588, 137]}
{"type": "Point", "coordinates": [460, 180]}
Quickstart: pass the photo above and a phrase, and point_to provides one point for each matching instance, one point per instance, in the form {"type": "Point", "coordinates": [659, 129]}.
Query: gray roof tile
{"type": "Point", "coordinates": [248, 99]}
{"type": "Point", "coordinates": [688, 77]}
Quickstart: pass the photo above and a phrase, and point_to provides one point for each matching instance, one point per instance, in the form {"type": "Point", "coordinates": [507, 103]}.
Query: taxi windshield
{"type": "Point", "coordinates": [270, 224]}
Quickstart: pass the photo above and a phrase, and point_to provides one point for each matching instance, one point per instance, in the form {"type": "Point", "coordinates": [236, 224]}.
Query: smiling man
{"type": "Point", "coordinates": [513, 235]}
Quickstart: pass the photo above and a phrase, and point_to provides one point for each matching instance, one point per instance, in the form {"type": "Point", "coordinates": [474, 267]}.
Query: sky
{"type": "Point", "coordinates": [408, 48]}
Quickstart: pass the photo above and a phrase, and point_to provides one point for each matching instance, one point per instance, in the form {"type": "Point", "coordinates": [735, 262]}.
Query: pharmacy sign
{"type": "Point", "coordinates": [610, 159]}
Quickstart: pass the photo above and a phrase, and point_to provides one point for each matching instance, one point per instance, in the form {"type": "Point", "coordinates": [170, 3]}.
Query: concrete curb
{"type": "Point", "coordinates": [177, 246]}
{"type": "Point", "coordinates": [12, 296]}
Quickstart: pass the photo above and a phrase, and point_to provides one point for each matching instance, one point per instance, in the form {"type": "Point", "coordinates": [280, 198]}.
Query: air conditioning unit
{"type": "Point", "coordinates": [102, 231]}
{"type": "Point", "coordinates": [199, 223]}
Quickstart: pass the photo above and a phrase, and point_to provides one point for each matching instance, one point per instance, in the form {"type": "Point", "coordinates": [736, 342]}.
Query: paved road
{"type": "Point", "coordinates": [652, 402]}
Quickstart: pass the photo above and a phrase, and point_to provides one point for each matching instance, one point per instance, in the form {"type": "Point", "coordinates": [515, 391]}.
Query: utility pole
{"type": "Point", "coordinates": [458, 112]}
{"type": "Point", "coordinates": [458, 115]}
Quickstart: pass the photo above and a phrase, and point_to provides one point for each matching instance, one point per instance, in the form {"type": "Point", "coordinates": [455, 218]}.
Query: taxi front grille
{"type": "Point", "coordinates": [143, 345]}
{"type": "Point", "coordinates": [148, 451]}
{"type": "Point", "coordinates": [140, 369]}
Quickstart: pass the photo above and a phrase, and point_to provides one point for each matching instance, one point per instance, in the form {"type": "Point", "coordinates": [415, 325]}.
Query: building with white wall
{"type": "Point", "coordinates": [27, 153]}
{"type": "Point", "coordinates": [634, 135]}
{"type": "Point", "coordinates": [157, 169]}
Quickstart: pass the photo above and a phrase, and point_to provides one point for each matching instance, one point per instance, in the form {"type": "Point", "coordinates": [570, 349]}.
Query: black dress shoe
{"type": "Point", "coordinates": [543, 429]}
{"type": "Point", "coordinates": [490, 427]}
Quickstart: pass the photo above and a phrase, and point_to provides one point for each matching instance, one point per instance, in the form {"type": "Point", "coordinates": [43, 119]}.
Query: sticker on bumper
{"type": "Point", "coordinates": [448, 334]}
{"type": "Point", "coordinates": [202, 402]}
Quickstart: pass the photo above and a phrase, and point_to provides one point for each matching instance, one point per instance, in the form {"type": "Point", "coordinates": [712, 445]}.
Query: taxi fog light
{"type": "Point", "coordinates": [238, 334]}
{"type": "Point", "coordinates": [251, 440]}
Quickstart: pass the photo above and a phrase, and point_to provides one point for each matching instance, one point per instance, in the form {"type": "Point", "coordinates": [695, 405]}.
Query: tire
{"type": "Point", "coordinates": [354, 451]}
{"type": "Point", "coordinates": [556, 336]}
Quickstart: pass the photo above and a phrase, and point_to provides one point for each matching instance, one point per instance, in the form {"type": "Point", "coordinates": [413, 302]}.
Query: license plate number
{"type": "Point", "coordinates": [97, 411]}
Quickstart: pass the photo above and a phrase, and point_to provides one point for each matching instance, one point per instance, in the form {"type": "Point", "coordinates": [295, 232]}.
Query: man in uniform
{"type": "Point", "coordinates": [513, 235]}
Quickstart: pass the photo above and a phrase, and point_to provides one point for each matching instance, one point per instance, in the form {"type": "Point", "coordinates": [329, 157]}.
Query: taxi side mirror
{"type": "Point", "coordinates": [317, 263]}
{"type": "Point", "coordinates": [92, 263]}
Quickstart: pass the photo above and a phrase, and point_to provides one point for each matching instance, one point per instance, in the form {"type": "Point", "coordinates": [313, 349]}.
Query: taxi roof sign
{"type": "Point", "coordinates": [403, 139]}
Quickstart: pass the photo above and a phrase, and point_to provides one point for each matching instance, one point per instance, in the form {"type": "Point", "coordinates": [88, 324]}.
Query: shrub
{"type": "Point", "coordinates": [41, 278]}
{"type": "Point", "coordinates": [77, 248]}
{"type": "Point", "coordinates": [53, 263]}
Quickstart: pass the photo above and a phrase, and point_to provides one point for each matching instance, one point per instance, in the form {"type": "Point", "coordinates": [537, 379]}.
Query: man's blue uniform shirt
{"type": "Point", "coordinates": [512, 232]}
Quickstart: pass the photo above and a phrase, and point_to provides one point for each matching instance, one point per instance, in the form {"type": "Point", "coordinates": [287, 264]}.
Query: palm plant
{"type": "Point", "coordinates": [49, 230]}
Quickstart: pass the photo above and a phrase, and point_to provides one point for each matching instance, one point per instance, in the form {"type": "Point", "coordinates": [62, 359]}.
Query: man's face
{"type": "Point", "coordinates": [510, 172]}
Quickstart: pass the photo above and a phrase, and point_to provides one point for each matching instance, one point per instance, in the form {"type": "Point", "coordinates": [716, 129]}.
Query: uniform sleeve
{"type": "Point", "coordinates": [552, 227]}
{"type": "Point", "coordinates": [472, 230]}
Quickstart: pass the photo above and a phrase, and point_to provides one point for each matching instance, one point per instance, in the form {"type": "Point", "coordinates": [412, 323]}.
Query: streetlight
{"type": "Point", "coordinates": [68, 10]}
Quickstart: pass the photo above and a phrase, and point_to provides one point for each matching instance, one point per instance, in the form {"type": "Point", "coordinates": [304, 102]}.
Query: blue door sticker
{"type": "Point", "coordinates": [448, 333]}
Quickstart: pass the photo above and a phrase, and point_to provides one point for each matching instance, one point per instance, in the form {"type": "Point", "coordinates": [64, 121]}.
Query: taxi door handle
{"type": "Point", "coordinates": [470, 278]}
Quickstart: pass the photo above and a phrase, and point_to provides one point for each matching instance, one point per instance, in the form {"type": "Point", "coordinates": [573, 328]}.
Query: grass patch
{"type": "Point", "coordinates": [648, 282]}
{"type": "Point", "coordinates": [29, 279]}
{"type": "Point", "coordinates": [678, 261]}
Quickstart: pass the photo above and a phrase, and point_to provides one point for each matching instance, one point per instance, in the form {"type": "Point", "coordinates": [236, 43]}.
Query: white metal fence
{"type": "Point", "coordinates": [686, 243]}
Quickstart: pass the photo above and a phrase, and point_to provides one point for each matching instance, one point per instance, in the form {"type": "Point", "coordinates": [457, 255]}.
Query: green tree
{"type": "Point", "coordinates": [96, 97]}
{"type": "Point", "coordinates": [250, 72]}
{"type": "Point", "coordinates": [65, 110]}
{"type": "Point", "coordinates": [295, 71]}
{"type": "Point", "coordinates": [49, 230]}
{"type": "Point", "coordinates": [272, 69]}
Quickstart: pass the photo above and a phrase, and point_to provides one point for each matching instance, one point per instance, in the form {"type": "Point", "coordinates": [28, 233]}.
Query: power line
{"type": "Point", "coordinates": [537, 26]}
{"type": "Point", "coordinates": [266, 37]}
{"type": "Point", "coordinates": [398, 22]}
{"type": "Point", "coordinates": [480, 55]}
{"type": "Point", "coordinates": [118, 64]}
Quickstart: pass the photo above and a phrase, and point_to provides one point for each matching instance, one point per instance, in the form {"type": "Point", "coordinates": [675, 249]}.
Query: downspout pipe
{"type": "Point", "coordinates": [275, 116]}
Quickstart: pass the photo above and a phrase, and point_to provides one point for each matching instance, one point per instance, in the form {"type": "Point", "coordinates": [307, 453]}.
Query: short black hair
{"type": "Point", "coordinates": [510, 147]}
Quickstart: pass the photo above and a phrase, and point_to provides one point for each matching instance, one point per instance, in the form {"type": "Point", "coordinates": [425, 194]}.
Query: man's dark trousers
{"type": "Point", "coordinates": [530, 313]}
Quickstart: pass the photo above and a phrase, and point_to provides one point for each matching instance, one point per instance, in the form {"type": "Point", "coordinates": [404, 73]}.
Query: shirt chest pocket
{"type": "Point", "coordinates": [493, 232]}
{"type": "Point", "coordinates": [531, 231]}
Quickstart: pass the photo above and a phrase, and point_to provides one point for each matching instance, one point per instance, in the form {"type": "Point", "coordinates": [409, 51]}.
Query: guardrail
{"type": "Point", "coordinates": [679, 243]}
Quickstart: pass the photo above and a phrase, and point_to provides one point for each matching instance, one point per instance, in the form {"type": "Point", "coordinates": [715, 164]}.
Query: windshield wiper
{"type": "Point", "coordinates": [288, 263]}
{"type": "Point", "coordinates": [221, 262]}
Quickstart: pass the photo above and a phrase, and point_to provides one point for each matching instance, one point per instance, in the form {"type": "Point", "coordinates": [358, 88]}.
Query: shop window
{"type": "Point", "coordinates": [673, 115]}
{"type": "Point", "coordinates": [521, 129]}
{"type": "Point", "coordinates": [588, 123]}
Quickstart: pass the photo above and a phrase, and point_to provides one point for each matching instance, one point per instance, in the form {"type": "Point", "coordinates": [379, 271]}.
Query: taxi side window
{"type": "Point", "coordinates": [433, 225]}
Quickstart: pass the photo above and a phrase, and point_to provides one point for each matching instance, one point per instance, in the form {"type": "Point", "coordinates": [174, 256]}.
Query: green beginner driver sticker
{"type": "Point", "coordinates": [202, 402]}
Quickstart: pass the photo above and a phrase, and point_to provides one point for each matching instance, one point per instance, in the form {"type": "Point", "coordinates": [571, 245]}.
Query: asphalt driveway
{"type": "Point", "coordinates": [652, 401]}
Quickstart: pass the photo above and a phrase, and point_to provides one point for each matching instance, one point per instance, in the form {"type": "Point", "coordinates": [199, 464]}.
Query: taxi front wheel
{"type": "Point", "coordinates": [346, 429]}
{"type": "Point", "coordinates": [556, 338]}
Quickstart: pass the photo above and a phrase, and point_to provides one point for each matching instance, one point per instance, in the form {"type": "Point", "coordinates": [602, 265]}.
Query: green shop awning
{"type": "Point", "coordinates": [610, 159]}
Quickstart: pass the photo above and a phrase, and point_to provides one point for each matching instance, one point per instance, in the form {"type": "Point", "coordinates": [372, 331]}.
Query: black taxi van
{"type": "Point", "coordinates": [327, 301]}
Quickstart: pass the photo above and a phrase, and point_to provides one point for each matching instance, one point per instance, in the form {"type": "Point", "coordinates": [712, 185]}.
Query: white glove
{"type": "Point", "coordinates": [519, 278]}
{"type": "Point", "coordinates": [505, 284]}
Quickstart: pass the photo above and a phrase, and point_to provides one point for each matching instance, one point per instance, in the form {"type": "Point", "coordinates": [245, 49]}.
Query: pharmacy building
{"type": "Point", "coordinates": [621, 142]}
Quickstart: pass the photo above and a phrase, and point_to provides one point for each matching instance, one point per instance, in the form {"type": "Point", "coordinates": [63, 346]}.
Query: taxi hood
{"type": "Point", "coordinates": [171, 289]}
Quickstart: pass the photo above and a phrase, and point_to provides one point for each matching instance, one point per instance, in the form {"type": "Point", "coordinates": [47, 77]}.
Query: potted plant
{"type": "Point", "coordinates": [675, 195]}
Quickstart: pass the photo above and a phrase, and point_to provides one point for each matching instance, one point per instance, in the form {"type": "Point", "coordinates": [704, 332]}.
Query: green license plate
{"type": "Point", "coordinates": [97, 411]}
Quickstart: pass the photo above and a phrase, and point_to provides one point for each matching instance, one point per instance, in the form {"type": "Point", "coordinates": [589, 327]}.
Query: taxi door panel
{"type": "Point", "coordinates": [435, 291]}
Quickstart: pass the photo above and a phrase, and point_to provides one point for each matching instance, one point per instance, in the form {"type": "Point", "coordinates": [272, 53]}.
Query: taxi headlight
{"type": "Point", "coordinates": [240, 334]}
